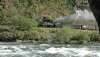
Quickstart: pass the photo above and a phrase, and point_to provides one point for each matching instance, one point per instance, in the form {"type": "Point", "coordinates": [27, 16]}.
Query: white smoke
{"type": "Point", "coordinates": [61, 19]}
{"type": "Point", "coordinates": [80, 14]}
{"type": "Point", "coordinates": [83, 14]}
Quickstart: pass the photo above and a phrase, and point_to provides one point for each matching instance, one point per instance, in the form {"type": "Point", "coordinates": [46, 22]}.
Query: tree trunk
{"type": "Point", "coordinates": [95, 8]}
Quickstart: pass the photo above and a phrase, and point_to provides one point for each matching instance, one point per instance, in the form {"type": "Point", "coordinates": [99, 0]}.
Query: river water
{"type": "Point", "coordinates": [13, 49]}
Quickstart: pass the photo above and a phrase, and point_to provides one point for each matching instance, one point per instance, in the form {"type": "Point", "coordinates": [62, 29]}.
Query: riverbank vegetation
{"type": "Point", "coordinates": [19, 19]}
{"type": "Point", "coordinates": [64, 35]}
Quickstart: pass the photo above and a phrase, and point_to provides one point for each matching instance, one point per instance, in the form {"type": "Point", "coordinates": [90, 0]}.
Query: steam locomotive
{"type": "Point", "coordinates": [48, 23]}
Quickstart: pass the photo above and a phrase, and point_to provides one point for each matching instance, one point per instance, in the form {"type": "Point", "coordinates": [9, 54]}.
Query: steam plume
{"type": "Point", "coordinates": [80, 14]}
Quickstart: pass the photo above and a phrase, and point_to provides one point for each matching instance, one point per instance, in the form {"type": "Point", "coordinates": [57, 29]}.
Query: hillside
{"type": "Point", "coordinates": [38, 8]}
{"type": "Point", "coordinates": [19, 20]}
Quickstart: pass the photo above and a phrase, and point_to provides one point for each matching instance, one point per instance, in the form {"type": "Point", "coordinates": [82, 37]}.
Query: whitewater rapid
{"type": "Point", "coordinates": [47, 50]}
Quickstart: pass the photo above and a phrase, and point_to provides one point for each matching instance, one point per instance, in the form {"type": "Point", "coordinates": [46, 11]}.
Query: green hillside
{"type": "Point", "coordinates": [37, 8]}
{"type": "Point", "coordinates": [19, 19]}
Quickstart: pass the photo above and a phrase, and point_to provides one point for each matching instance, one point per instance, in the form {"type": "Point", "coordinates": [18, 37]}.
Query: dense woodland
{"type": "Point", "coordinates": [19, 19]}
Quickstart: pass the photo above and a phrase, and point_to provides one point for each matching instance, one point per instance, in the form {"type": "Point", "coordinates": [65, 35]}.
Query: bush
{"type": "Point", "coordinates": [31, 34]}
{"type": "Point", "coordinates": [23, 23]}
{"type": "Point", "coordinates": [4, 28]}
{"type": "Point", "coordinates": [11, 35]}
{"type": "Point", "coordinates": [63, 35]}
{"type": "Point", "coordinates": [94, 37]}
{"type": "Point", "coordinates": [5, 21]}
{"type": "Point", "coordinates": [3, 18]}
{"type": "Point", "coordinates": [82, 37]}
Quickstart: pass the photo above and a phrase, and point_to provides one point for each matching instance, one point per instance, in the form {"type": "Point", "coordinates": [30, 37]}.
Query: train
{"type": "Point", "coordinates": [48, 23]}
{"type": "Point", "coordinates": [83, 27]}
{"type": "Point", "coordinates": [45, 22]}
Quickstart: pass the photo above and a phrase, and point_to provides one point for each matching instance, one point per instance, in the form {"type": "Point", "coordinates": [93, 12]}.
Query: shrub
{"type": "Point", "coordinates": [2, 19]}
{"type": "Point", "coordinates": [11, 35]}
{"type": "Point", "coordinates": [82, 37]}
{"type": "Point", "coordinates": [23, 23]}
{"type": "Point", "coordinates": [31, 34]}
{"type": "Point", "coordinates": [63, 35]}
{"type": "Point", "coordinates": [94, 37]}
{"type": "Point", "coordinates": [4, 28]}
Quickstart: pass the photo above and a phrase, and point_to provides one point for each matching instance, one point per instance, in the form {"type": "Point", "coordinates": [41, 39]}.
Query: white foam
{"type": "Point", "coordinates": [71, 51]}
{"type": "Point", "coordinates": [17, 49]}
{"type": "Point", "coordinates": [5, 51]}
{"type": "Point", "coordinates": [41, 51]}
{"type": "Point", "coordinates": [97, 54]}
{"type": "Point", "coordinates": [52, 50]}
{"type": "Point", "coordinates": [21, 46]}
{"type": "Point", "coordinates": [4, 47]}
{"type": "Point", "coordinates": [44, 45]}
{"type": "Point", "coordinates": [13, 53]}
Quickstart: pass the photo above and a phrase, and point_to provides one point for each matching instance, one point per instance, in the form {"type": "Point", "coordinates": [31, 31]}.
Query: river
{"type": "Point", "coordinates": [13, 49]}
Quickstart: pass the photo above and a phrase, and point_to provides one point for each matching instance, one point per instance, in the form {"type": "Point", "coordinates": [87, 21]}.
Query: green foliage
{"type": "Point", "coordinates": [25, 28]}
{"type": "Point", "coordinates": [71, 4]}
{"type": "Point", "coordinates": [23, 23]}
{"type": "Point", "coordinates": [63, 35]}
{"type": "Point", "coordinates": [94, 37]}
{"type": "Point", "coordinates": [11, 35]}
{"type": "Point", "coordinates": [2, 20]}
{"type": "Point", "coordinates": [82, 36]}
{"type": "Point", "coordinates": [31, 34]}
{"type": "Point", "coordinates": [4, 28]}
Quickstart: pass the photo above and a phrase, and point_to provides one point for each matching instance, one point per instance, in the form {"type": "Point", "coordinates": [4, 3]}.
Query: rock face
{"type": "Point", "coordinates": [95, 8]}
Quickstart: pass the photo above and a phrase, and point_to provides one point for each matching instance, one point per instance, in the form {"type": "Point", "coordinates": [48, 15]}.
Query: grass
{"type": "Point", "coordinates": [46, 30]}
{"type": "Point", "coordinates": [76, 31]}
